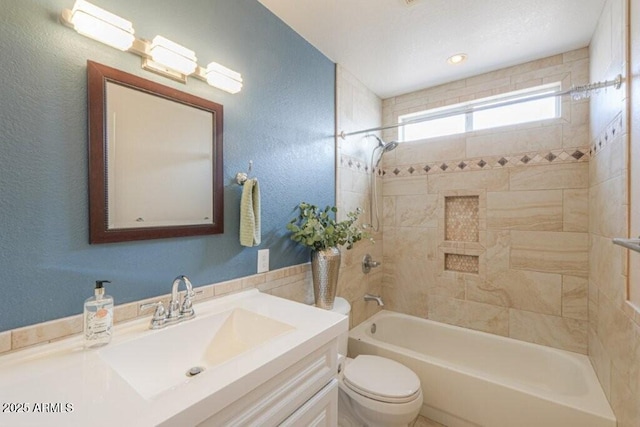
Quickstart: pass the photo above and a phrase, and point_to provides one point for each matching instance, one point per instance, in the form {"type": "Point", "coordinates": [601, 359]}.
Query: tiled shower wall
{"type": "Point", "coordinates": [614, 334]}
{"type": "Point", "coordinates": [529, 279]}
{"type": "Point", "coordinates": [357, 108]}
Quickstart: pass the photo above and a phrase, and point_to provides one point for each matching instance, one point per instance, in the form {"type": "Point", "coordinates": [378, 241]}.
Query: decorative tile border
{"type": "Point", "coordinates": [608, 135]}
{"type": "Point", "coordinates": [358, 165]}
{"type": "Point", "coordinates": [563, 155]}
{"type": "Point", "coordinates": [353, 163]}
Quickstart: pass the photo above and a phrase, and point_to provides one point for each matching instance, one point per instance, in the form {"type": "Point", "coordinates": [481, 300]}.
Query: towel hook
{"type": "Point", "coordinates": [241, 177]}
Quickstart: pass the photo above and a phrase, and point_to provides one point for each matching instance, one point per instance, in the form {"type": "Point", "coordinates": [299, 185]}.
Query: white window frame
{"type": "Point", "coordinates": [468, 108]}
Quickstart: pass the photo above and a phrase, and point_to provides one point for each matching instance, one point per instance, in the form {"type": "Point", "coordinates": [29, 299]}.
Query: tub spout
{"type": "Point", "coordinates": [376, 298]}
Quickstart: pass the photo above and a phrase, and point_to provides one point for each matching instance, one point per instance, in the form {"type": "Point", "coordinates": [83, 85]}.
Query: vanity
{"type": "Point", "coordinates": [245, 359]}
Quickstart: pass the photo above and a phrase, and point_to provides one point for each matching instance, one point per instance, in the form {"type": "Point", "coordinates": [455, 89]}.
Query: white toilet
{"type": "Point", "coordinates": [374, 391]}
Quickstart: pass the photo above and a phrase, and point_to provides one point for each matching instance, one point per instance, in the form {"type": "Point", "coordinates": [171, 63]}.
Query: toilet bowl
{"type": "Point", "coordinates": [374, 391]}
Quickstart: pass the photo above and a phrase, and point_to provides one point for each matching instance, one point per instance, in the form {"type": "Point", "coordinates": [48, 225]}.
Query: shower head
{"type": "Point", "coordinates": [390, 146]}
{"type": "Point", "coordinates": [384, 147]}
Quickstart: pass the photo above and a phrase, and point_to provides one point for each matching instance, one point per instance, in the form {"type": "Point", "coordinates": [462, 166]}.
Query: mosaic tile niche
{"type": "Point", "coordinates": [462, 263]}
{"type": "Point", "coordinates": [462, 218]}
{"type": "Point", "coordinates": [462, 224]}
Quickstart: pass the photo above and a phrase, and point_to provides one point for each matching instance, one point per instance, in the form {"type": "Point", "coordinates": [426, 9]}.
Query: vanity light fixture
{"type": "Point", "coordinates": [456, 59]}
{"type": "Point", "coordinates": [172, 55]}
{"type": "Point", "coordinates": [160, 55]}
{"type": "Point", "coordinates": [100, 25]}
{"type": "Point", "coordinates": [223, 78]}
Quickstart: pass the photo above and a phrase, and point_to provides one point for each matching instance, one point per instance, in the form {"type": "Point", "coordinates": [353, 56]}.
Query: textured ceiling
{"type": "Point", "coordinates": [395, 48]}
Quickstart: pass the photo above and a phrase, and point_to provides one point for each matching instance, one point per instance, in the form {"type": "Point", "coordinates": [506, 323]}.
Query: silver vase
{"type": "Point", "coordinates": [325, 266]}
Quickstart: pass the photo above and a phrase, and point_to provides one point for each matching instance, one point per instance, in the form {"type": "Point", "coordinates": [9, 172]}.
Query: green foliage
{"type": "Point", "coordinates": [318, 229]}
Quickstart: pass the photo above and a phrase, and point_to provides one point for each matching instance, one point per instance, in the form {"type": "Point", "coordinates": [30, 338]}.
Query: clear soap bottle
{"type": "Point", "coordinates": [98, 317]}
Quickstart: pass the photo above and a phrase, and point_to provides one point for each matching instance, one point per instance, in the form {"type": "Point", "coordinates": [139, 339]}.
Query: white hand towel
{"type": "Point", "coordinates": [250, 234]}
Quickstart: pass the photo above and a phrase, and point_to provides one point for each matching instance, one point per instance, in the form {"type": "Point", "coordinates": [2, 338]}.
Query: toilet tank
{"type": "Point", "coordinates": [342, 306]}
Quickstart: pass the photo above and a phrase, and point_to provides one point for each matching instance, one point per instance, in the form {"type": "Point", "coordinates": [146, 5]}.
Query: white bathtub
{"type": "Point", "coordinates": [472, 378]}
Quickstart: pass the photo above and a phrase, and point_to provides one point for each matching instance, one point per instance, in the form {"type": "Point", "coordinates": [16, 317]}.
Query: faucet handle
{"type": "Point", "coordinates": [159, 316]}
{"type": "Point", "coordinates": [186, 309]}
{"type": "Point", "coordinates": [368, 263]}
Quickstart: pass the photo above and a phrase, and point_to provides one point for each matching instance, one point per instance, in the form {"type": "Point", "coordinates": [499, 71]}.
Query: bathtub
{"type": "Point", "coordinates": [472, 378]}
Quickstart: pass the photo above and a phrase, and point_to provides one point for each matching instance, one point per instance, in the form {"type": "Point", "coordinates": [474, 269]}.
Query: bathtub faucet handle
{"type": "Point", "coordinates": [368, 263]}
{"type": "Point", "coordinates": [376, 298]}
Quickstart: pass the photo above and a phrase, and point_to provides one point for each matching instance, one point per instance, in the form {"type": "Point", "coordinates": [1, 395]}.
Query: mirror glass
{"type": "Point", "coordinates": [155, 159]}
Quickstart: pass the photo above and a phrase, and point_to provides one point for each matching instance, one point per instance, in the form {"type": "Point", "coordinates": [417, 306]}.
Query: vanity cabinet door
{"type": "Point", "coordinates": [319, 411]}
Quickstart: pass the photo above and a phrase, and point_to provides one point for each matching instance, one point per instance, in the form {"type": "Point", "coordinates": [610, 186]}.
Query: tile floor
{"type": "Point", "coordinates": [426, 422]}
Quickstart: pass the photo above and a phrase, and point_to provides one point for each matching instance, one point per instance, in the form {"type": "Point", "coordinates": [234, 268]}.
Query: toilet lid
{"type": "Point", "coordinates": [381, 379]}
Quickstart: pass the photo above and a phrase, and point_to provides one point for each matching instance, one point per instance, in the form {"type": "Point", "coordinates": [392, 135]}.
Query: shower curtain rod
{"type": "Point", "coordinates": [577, 92]}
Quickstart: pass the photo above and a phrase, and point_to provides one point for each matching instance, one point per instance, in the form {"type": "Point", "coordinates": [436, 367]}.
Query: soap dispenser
{"type": "Point", "coordinates": [98, 317]}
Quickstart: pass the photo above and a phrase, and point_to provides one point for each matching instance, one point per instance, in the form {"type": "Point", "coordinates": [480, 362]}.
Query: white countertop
{"type": "Point", "coordinates": [83, 390]}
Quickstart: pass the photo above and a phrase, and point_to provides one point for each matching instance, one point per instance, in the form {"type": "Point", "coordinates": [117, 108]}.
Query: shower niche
{"type": "Point", "coordinates": [461, 228]}
{"type": "Point", "coordinates": [461, 215]}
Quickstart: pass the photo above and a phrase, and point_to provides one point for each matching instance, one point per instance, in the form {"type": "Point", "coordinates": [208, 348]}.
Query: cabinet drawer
{"type": "Point", "coordinates": [319, 411]}
{"type": "Point", "coordinates": [272, 402]}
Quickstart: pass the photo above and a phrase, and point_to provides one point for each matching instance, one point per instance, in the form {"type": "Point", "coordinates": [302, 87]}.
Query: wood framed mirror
{"type": "Point", "coordinates": [155, 160]}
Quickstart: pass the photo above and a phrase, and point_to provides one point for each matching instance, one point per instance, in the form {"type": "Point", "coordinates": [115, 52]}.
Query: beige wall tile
{"type": "Point", "coordinates": [299, 291]}
{"type": "Point", "coordinates": [452, 284]}
{"type": "Point", "coordinates": [525, 290]}
{"type": "Point", "coordinates": [414, 267]}
{"type": "Point", "coordinates": [417, 211]}
{"type": "Point", "coordinates": [525, 210]}
{"type": "Point", "coordinates": [575, 297]}
{"type": "Point", "coordinates": [388, 211]}
{"type": "Point", "coordinates": [607, 208]}
{"type": "Point", "coordinates": [227, 287]}
{"type": "Point", "coordinates": [124, 312]}
{"type": "Point", "coordinates": [498, 252]}
{"type": "Point", "coordinates": [605, 265]}
{"type": "Point", "coordinates": [576, 133]}
{"type": "Point", "coordinates": [468, 314]}
{"type": "Point", "coordinates": [593, 296]}
{"type": "Point", "coordinates": [514, 142]}
{"type": "Point", "coordinates": [618, 336]}
{"type": "Point", "coordinates": [624, 401]}
{"type": "Point", "coordinates": [553, 331]}
{"type": "Point", "coordinates": [600, 362]}
{"type": "Point", "coordinates": [5, 341]}
{"type": "Point", "coordinates": [575, 55]}
{"type": "Point", "coordinates": [563, 253]}
{"type": "Point", "coordinates": [43, 332]}
{"type": "Point", "coordinates": [550, 177]}
{"type": "Point", "coordinates": [253, 281]}
{"type": "Point", "coordinates": [609, 161]}
{"type": "Point", "coordinates": [352, 284]}
{"type": "Point", "coordinates": [404, 186]}
{"type": "Point", "coordinates": [490, 180]}
{"type": "Point", "coordinates": [204, 292]}
{"type": "Point", "coordinates": [575, 213]}
{"type": "Point", "coordinates": [432, 150]}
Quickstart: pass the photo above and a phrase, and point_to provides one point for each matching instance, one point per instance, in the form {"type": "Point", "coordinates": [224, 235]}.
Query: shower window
{"type": "Point", "coordinates": [512, 108]}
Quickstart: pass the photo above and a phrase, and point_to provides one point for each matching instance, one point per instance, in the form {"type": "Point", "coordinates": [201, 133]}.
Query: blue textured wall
{"type": "Point", "coordinates": [283, 120]}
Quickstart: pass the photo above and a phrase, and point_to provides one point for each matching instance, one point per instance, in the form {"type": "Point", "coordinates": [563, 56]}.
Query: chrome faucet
{"type": "Point", "coordinates": [177, 311]}
{"type": "Point", "coordinates": [376, 298]}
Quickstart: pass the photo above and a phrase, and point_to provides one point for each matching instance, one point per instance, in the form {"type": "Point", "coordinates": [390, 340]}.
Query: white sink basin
{"type": "Point", "coordinates": [159, 360]}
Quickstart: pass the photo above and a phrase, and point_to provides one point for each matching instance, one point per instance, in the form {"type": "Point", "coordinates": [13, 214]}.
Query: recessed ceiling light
{"type": "Point", "coordinates": [456, 59]}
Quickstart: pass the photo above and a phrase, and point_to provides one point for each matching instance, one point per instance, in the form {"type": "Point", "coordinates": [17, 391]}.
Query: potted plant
{"type": "Point", "coordinates": [318, 230]}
